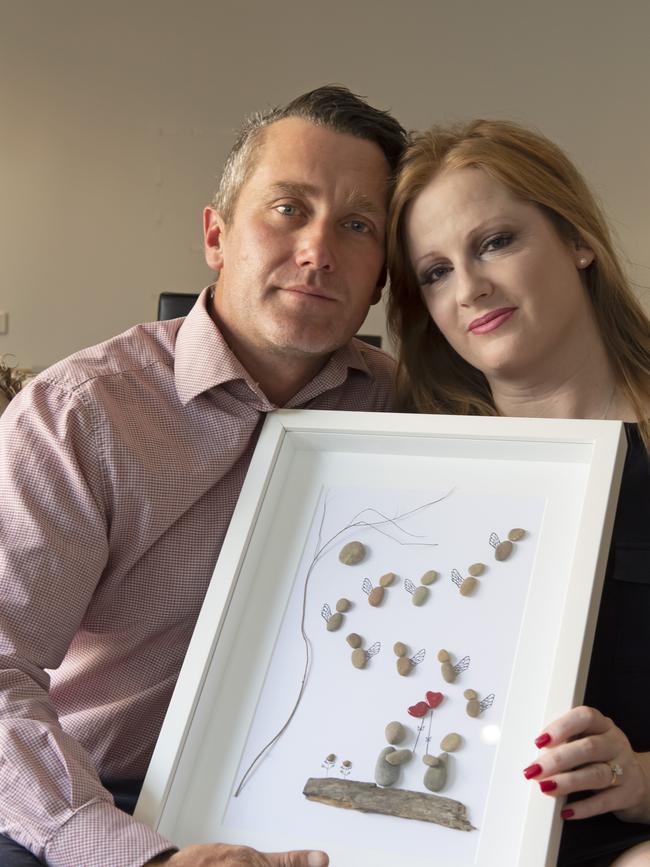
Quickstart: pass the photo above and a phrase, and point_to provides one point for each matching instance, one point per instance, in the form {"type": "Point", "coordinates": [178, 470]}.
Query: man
{"type": "Point", "coordinates": [120, 468]}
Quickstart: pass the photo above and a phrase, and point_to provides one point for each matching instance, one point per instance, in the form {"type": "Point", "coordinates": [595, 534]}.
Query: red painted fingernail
{"type": "Point", "coordinates": [567, 814]}
{"type": "Point", "coordinates": [532, 771]}
{"type": "Point", "coordinates": [548, 785]}
{"type": "Point", "coordinates": [543, 740]}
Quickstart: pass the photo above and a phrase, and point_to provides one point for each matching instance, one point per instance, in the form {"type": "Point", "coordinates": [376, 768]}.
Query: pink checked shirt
{"type": "Point", "coordinates": [119, 471]}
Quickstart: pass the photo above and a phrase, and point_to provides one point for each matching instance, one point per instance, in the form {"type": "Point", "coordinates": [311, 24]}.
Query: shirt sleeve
{"type": "Point", "coordinates": [54, 526]}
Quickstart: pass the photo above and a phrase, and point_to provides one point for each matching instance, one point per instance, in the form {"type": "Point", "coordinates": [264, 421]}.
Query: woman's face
{"type": "Point", "coordinates": [500, 283]}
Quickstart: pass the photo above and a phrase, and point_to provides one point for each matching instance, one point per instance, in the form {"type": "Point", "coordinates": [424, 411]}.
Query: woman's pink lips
{"type": "Point", "coordinates": [491, 320]}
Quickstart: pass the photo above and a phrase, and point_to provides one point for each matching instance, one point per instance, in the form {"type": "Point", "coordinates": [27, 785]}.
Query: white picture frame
{"type": "Point", "coordinates": [573, 466]}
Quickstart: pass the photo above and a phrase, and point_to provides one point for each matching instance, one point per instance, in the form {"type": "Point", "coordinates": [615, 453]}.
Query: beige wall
{"type": "Point", "coordinates": [115, 117]}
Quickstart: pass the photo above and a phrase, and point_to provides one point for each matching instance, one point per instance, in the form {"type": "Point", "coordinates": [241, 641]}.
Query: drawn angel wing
{"type": "Point", "coordinates": [456, 577]}
{"type": "Point", "coordinates": [367, 586]}
{"type": "Point", "coordinates": [417, 658]}
{"type": "Point", "coordinates": [494, 540]}
{"type": "Point", "coordinates": [409, 585]}
{"type": "Point", "coordinates": [326, 612]}
{"type": "Point", "coordinates": [373, 649]}
{"type": "Point", "coordinates": [487, 702]}
{"type": "Point", "coordinates": [462, 664]}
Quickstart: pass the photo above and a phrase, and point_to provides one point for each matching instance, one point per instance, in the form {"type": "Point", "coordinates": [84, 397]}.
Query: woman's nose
{"type": "Point", "coordinates": [472, 283]}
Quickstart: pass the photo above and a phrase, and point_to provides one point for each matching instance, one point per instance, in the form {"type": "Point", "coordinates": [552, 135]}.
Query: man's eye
{"type": "Point", "coordinates": [497, 242]}
{"type": "Point", "coordinates": [287, 210]}
{"type": "Point", "coordinates": [434, 275]}
{"type": "Point", "coordinates": [357, 226]}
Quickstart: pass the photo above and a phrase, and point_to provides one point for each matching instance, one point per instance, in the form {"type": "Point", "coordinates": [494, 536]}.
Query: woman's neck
{"type": "Point", "coordinates": [585, 389]}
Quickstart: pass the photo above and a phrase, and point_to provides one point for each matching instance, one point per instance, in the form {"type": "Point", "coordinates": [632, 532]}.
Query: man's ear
{"type": "Point", "coordinates": [213, 238]}
{"type": "Point", "coordinates": [381, 282]}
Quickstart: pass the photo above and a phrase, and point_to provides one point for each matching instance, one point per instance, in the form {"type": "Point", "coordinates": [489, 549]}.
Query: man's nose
{"type": "Point", "coordinates": [316, 247]}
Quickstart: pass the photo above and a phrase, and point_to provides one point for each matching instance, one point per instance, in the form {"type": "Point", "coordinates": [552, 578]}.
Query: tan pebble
{"type": "Point", "coordinates": [468, 586]}
{"type": "Point", "coordinates": [503, 550]}
{"type": "Point", "coordinates": [448, 673]}
{"type": "Point", "coordinates": [347, 763]}
{"type": "Point", "coordinates": [516, 534]}
{"type": "Point", "coordinates": [473, 707]}
{"type": "Point", "coordinates": [353, 640]}
{"type": "Point", "coordinates": [400, 649]}
{"type": "Point", "coordinates": [395, 732]}
{"type": "Point", "coordinates": [343, 604]}
{"type": "Point", "coordinates": [352, 553]}
{"type": "Point", "coordinates": [431, 761]}
{"type": "Point", "coordinates": [359, 658]}
{"type": "Point", "coordinates": [387, 579]}
{"type": "Point", "coordinates": [331, 758]}
{"type": "Point", "coordinates": [334, 622]}
{"type": "Point", "coordinates": [470, 693]}
{"type": "Point", "coordinates": [404, 665]}
{"type": "Point", "coordinates": [376, 596]}
{"type": "Point", "coordinates": [476, 569]}
{"type": "Point", "coordinates": [420, 595]}
{"type": "Point", "coordinates": [443, 656]}
{"type": "Point", "coordinates": [450, 742]}
{"type": "Point", "coordinates": [429, 577]}
{"type": "Point", "coordinates": [399, 757]}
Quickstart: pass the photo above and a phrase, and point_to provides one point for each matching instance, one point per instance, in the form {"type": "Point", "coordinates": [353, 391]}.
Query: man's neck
{"type": "Point", "coordinates": [278, 374]}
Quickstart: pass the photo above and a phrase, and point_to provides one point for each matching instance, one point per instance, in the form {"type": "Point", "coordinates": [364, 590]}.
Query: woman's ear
{"type": "Point", "coordinates": [584, 255]}
{"type": "Point", "coordinates": [213, 238]}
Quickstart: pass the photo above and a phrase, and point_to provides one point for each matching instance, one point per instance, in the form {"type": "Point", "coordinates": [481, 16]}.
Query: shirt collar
{"type": "Point", "coordinates": [204, 360]}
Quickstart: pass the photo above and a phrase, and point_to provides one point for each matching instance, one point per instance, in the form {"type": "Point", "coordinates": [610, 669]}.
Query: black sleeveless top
{"type": "Point", "coordinates": [619, 673]}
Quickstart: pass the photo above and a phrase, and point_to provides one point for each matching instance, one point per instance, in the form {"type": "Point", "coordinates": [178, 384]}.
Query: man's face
{"type": "Point", "coordinates": [302, 259]}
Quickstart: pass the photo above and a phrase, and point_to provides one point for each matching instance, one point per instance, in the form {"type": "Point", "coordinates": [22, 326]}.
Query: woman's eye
{"type": "Point", "coordinates": [434, 275]}
{"type": "Point", "coordinates": [497, 242]}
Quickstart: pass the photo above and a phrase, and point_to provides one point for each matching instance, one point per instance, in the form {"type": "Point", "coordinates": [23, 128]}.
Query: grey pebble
{"type": "Point", "coordinates": [386, 774]}
{"type": "Point", "coordinates": [334, 622]}
{"type": "Point", "coordinates": [435, 778]}
{"type": "Point", "coordinates": [420, 595]}
{"type": "Point", "coordinates": [359, 658]}
{"type": "Point", "coordinates": [447, 671]}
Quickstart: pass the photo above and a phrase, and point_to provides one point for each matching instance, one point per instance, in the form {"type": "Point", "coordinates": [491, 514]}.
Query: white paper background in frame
{"type": "Point", "coordinates": [559, 479]}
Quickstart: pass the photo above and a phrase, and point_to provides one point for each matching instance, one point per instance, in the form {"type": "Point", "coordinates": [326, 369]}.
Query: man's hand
{"type": "Point", "coordinates": [223, 855]}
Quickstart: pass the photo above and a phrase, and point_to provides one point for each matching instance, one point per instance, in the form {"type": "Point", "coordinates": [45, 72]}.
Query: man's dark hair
{"type": "Point", "coordinates": [332, 106]}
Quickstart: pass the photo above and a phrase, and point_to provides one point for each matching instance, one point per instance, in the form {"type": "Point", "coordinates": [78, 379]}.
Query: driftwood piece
{"type": "Point", "coordinates": [369, 798]}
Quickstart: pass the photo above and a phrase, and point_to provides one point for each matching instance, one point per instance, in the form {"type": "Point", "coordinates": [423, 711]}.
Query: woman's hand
{"type": "Point", "coordinates": [585, 752]}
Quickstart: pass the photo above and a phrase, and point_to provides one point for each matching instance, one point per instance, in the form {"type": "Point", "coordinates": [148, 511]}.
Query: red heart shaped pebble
{"type": "Point", "coordinates": [433, 698]}
{"type": "Point", "coordinates": [419, 709]}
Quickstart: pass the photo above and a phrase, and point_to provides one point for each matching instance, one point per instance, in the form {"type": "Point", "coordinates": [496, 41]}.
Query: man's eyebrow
{"type": "Point", "coordinates": [291, 188]}
{"type": "Point", "coordinates": [356, 201]}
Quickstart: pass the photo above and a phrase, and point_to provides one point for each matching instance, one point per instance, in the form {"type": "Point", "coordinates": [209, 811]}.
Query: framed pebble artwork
{"type": "Point", "coordinates": [400, 604]}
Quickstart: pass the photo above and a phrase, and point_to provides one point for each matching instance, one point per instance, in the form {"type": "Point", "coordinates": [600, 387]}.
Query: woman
{"type": "Point", "coordinates": [508, 299]}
